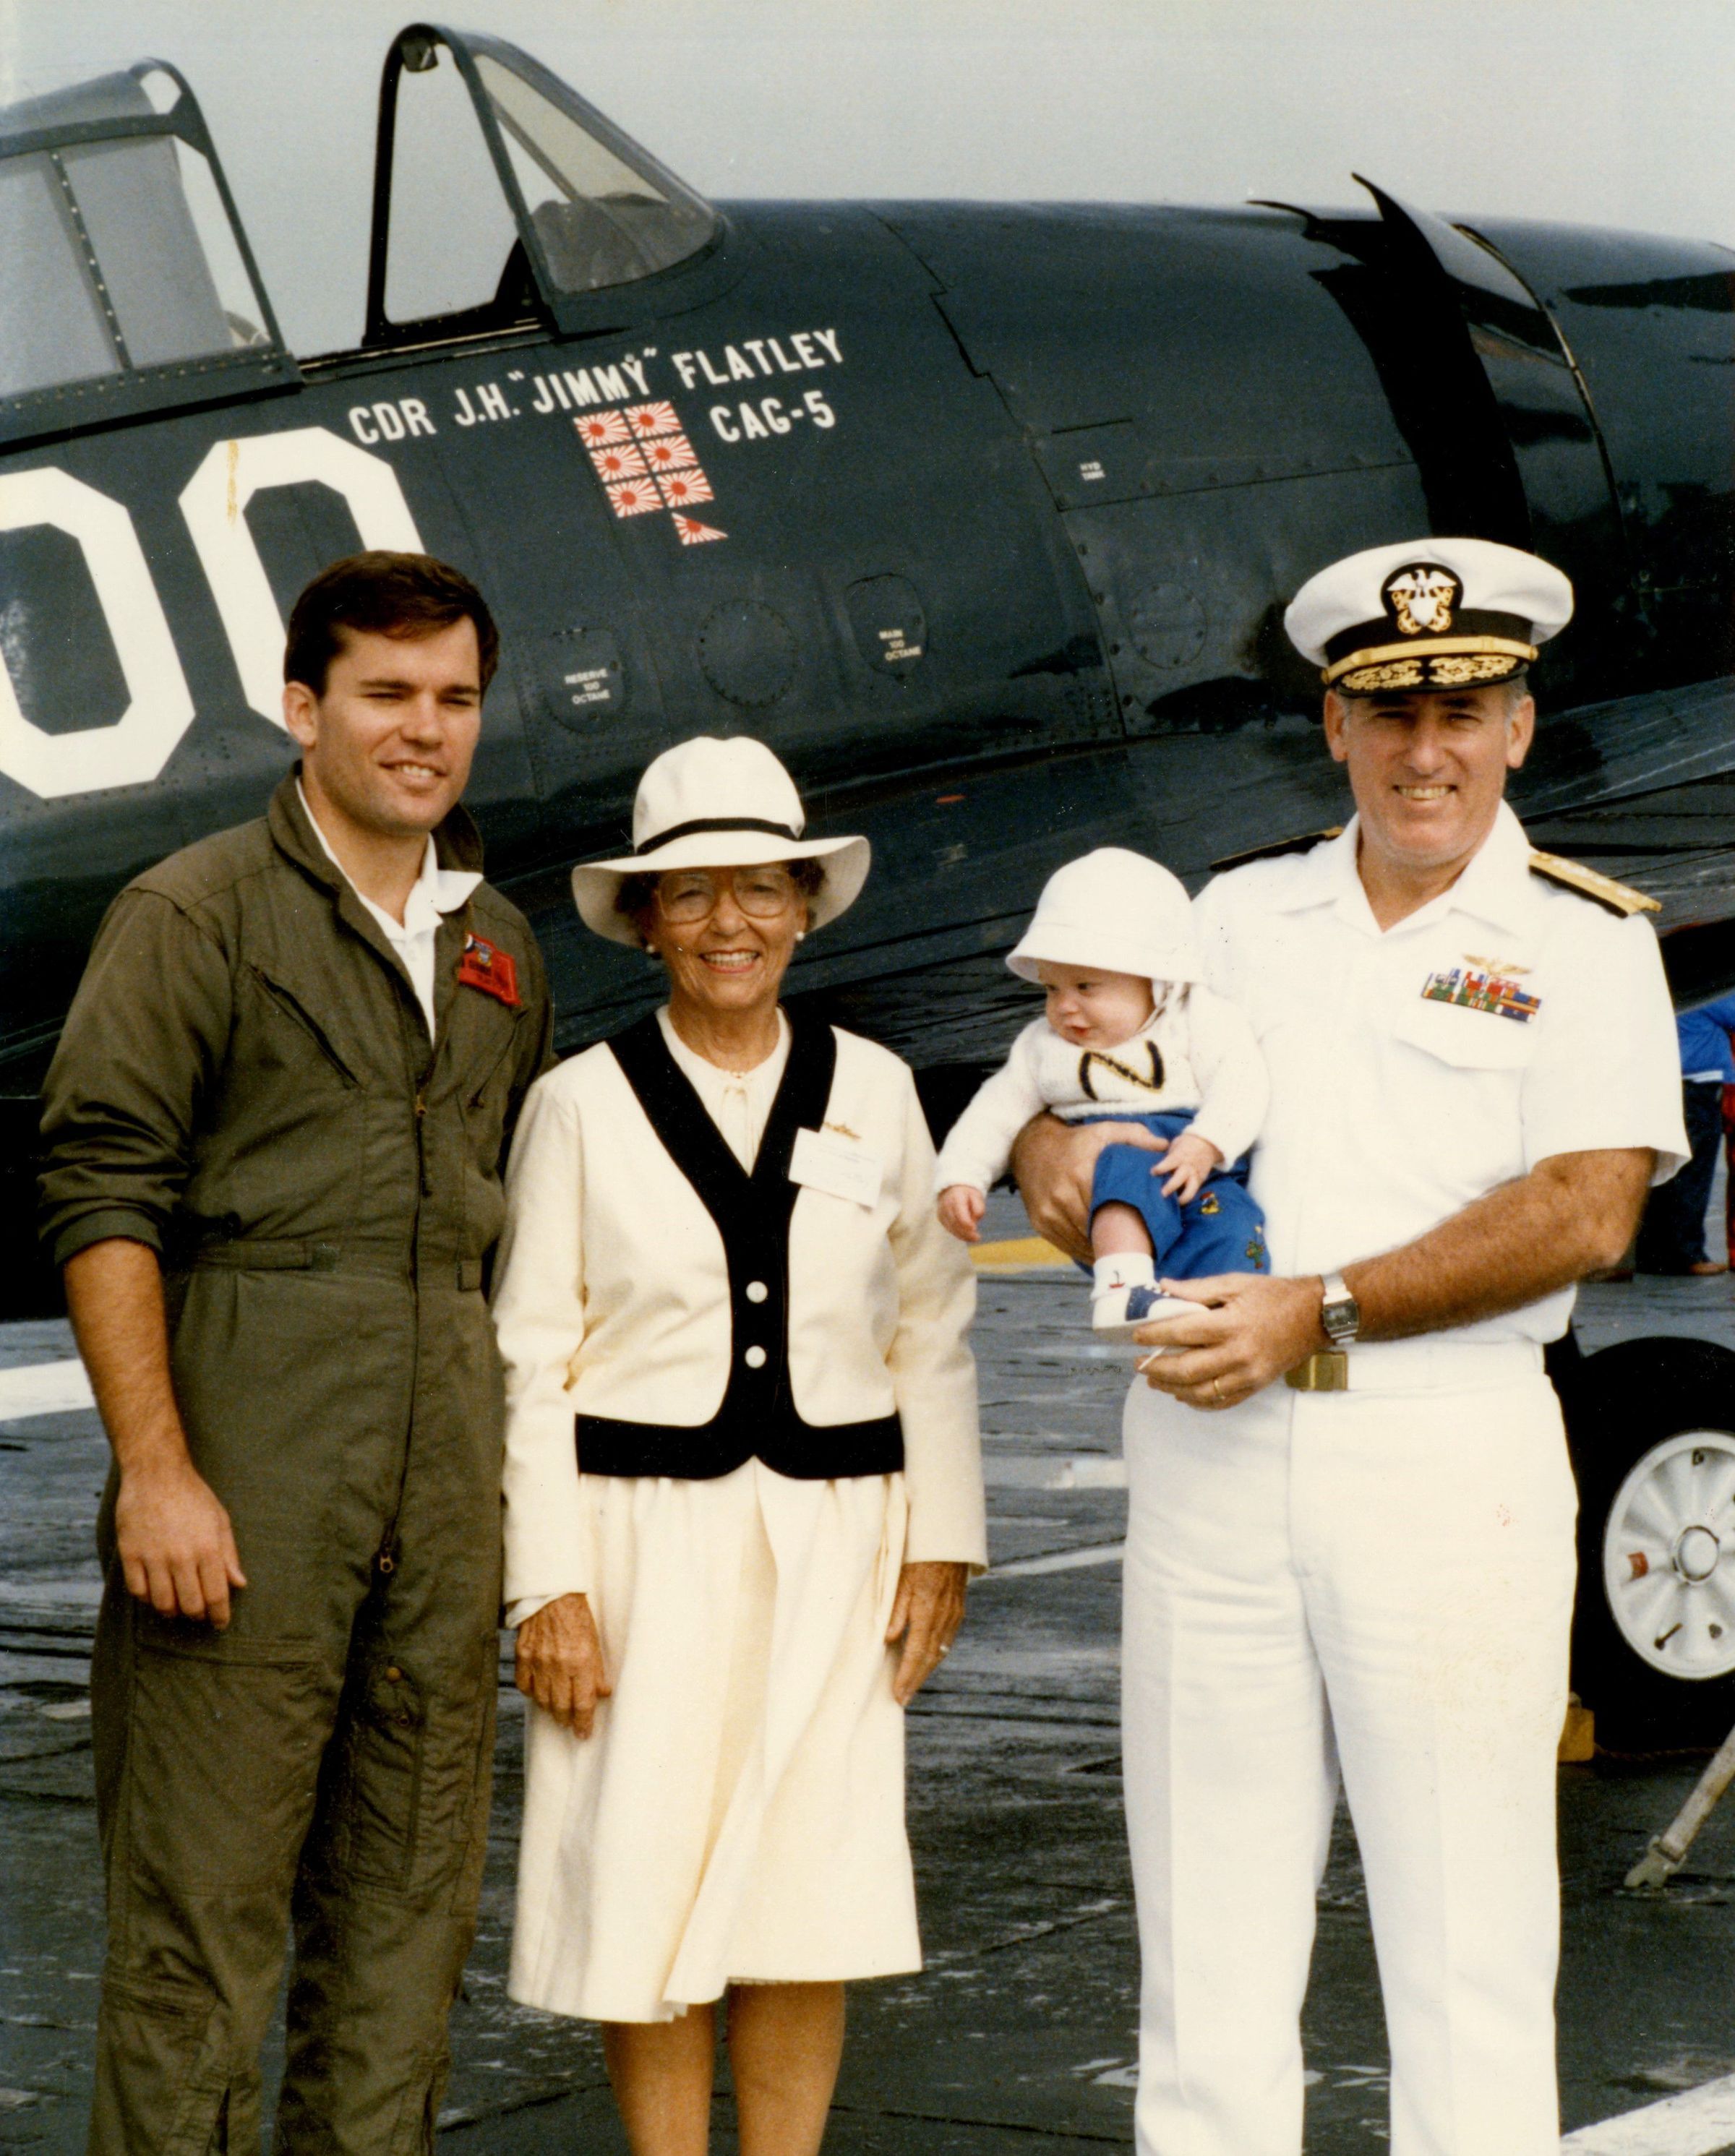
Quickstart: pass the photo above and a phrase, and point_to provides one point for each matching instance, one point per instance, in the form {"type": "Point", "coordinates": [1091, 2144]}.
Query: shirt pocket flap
{"type": "Point", "coordinates": [1467, 1039]}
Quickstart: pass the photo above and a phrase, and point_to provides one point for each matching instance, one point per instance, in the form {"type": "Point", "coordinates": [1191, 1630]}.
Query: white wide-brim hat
{"type": "Point", "coordinates": [1114, 911]}
{"type": "Point", "coordinates": [708, 803]}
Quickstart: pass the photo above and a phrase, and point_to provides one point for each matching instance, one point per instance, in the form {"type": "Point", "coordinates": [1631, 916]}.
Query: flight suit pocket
{"type": "Point", "coordinates": [293, 1031]}
{"type": "Point", "coordinates": [221, 1761]}
{"type": "Point", "coordinates": [417, 1770]}
{"type": "Point", "coordinates": [385, 1728]}
{"type": "Point", "coordinates": [163, 2070]}
{"type": "Point", "coordinates": [486, 1088]}
{"type": "Point", "coordinates": [491, 1069]}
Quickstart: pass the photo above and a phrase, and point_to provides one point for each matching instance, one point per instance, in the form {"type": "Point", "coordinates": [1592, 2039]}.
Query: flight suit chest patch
{"type": "Point", "coordinates": [485, 967]}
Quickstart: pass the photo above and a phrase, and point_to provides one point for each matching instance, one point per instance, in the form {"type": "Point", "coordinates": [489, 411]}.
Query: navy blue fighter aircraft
{"type": "Point", "coordinates": [985, 516]}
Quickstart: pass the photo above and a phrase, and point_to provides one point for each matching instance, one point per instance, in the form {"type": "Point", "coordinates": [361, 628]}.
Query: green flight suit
{"type": "Point", "coordinates": [246, 1084]}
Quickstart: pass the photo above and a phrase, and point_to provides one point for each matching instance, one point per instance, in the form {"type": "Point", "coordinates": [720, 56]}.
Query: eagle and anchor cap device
{"type": "Point", "coordinates": [711, 803]}
{"type": "Point", "coordinates": [1428, 614]}
{"type": "Point", "coordinates": [1115, 909]}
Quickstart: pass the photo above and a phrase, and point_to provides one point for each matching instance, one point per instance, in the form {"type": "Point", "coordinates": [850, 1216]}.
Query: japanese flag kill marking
{"type": "Point", "coordinates": [597, 430]}
{"type": "Point", "coordinates": [669, 453]}
{"type": "Point", "coordinates": [618, 463]}
{"type": "Point", "coordinates": [646, 462]}
{"type": "Point", "coordinates": [634, 498]}
{"type": "Point", "coordinates": [681, 487]}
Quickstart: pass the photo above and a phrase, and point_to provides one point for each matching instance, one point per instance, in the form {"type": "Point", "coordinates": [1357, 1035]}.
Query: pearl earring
{"type": "Point", "coordinates": [801, 936]}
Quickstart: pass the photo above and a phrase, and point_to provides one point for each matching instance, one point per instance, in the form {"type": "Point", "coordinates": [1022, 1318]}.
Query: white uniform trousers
{"type": "Point", "coordinates": [1381, 1581]}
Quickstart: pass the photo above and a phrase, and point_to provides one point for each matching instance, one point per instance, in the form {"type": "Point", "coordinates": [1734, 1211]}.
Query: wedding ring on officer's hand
{"type": "Point", "coordinates": [1217, 1387]}
{"type": "Point", "coordinates": [945, 1651]}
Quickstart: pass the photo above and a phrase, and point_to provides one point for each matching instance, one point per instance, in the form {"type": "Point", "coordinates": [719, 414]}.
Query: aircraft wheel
{"type": "Point", "coordinates": [1652, 1425]}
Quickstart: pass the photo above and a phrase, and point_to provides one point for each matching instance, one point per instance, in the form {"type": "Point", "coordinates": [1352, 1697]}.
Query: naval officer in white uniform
{"type": "Point", "coordinates": [1365, 1571]}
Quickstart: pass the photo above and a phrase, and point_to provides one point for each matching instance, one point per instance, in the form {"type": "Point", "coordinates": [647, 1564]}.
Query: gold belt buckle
{"type": "Point", "coordinates": [1327, 1370]}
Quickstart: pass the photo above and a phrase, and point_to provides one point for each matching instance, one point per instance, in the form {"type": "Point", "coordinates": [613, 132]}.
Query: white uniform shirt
{"type": "Point", "coordinates": [1414, 1071]}
{"type": "Point", "coordinates": [435, 892]}
{"type": "Point", "coordinates": [1207, 1054]}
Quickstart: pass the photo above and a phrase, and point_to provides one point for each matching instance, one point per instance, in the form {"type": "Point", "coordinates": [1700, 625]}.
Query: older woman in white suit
{"type": "Point", "coordinates": [743, 1488]}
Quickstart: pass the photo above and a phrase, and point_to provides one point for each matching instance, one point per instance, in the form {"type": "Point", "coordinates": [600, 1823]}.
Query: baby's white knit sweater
{"type": "Point", "coordinates": [1196, 1052]}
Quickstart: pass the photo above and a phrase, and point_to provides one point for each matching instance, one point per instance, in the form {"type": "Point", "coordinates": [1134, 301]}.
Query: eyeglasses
{"type": "Point", "coordinates": [686, 895]}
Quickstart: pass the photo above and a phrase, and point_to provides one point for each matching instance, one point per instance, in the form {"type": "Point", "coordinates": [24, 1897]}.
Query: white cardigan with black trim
{"type": "Point", "coordinates": [613, 1300]}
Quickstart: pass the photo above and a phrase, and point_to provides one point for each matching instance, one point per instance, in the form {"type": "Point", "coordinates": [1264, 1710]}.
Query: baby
{"type": "Point", "coordinates": [1128, 1036]}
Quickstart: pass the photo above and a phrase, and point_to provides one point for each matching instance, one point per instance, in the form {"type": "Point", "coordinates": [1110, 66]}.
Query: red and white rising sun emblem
{"type": "Point", "coordinates": [681, 487]}
{"type": "Point", "coordinates": [668, 453]}
{"type": "Point", "coordinates": [660, 419]}
{"type": "Point", "coordinates": [645, 462]}
{"type": "Point", "coordinates": [596, 429]}
{"type": "Point", "coordinates": [634, 498]}
{"type": "Point", "coordinates": [624, 463]}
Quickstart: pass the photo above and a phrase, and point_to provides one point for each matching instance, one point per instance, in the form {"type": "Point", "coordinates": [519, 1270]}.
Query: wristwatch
{"type": "Point", "coordinates": [1340, 1315]}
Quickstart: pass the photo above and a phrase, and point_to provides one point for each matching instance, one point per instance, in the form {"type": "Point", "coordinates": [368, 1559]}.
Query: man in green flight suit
{"type": "Point", "coordinates": [273, 1131]}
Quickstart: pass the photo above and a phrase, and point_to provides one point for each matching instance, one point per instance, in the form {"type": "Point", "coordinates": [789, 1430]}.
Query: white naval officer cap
{"type": "Point", "coordinates": [1115, 911]}
{"type": "Point", "coordinates": [1428, 613]}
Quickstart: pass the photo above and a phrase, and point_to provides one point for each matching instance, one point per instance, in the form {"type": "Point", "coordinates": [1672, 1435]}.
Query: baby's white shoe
{"type": "Point", "coordinates": [1117, 1314]}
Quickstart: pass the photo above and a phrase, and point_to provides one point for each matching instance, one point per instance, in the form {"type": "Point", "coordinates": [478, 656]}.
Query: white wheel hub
{"type": "Point", "coordinates": [1669, 1556]}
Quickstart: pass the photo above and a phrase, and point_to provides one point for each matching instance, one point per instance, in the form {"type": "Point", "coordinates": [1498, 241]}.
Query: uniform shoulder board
{"type": "Point", "coordinates": [1279, 846]}
{"type": "Point", "coordinates": [1572, 876]}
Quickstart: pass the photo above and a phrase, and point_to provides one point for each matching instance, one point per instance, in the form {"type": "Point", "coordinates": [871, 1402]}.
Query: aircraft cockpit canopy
{"type": "Point", "coordinates": [127, 279]}
{"type": "Point", "coordinates": [496, 186]}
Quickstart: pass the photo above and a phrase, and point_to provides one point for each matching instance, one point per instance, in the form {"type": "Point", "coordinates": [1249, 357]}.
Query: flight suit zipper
{"type": "Point", "coordinates": [386, 1558]}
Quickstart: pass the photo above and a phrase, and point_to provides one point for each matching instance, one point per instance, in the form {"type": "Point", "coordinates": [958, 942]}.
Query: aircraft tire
{"type": "Point", "coordinates": [1651, 1426]}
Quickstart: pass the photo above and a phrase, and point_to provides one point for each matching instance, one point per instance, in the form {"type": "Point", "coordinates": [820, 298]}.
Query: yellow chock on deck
{"type": "Point", "coordinates": [1011, 1257]}
{"type": "Point", "coordinates": [1577, 1738]}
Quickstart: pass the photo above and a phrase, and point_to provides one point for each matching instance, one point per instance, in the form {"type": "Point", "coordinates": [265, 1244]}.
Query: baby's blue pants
{"type": "Point", "coordinates": [1221, 1230]}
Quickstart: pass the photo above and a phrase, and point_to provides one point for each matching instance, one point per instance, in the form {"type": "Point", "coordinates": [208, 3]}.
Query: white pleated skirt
{"type": "Point", "coordinates": [737, 1813]}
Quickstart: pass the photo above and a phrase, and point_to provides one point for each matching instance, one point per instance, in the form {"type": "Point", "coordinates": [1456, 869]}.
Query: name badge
{"type": "Point", "coordinates": [824, 1163]}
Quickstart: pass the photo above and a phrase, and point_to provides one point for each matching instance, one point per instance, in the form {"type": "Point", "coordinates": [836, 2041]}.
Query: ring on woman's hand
{"type": "Point", "coordinates": [1217, 1387]}
{"type": "Point", "coordinates": [945, 1651]}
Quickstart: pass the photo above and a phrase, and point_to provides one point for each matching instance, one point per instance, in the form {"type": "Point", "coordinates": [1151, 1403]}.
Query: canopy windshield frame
{"type": "Point", "coordinates": [538, 298]}
{"type": "Point", "coordinates": [129, 390]}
